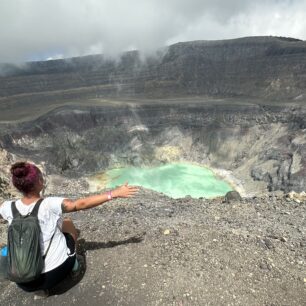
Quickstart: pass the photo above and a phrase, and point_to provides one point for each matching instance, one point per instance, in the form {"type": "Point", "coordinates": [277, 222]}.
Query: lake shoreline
{"type": "Point", "coordinates": [101, 181]}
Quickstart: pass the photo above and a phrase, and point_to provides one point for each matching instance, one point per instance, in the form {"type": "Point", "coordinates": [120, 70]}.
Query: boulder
{"type": "Point", "coordinates": [232, 196]}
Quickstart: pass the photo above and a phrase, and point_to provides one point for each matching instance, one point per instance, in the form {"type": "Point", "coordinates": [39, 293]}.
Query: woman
{"type": "Point", "coordinates": [58, 236]}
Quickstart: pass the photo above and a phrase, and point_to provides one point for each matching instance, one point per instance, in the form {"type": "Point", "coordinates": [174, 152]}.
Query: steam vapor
{"type": "Point", "coordinates": [41, 30]}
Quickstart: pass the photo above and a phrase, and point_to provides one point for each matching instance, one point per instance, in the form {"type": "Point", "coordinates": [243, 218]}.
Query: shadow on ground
{"type": "Point", "coordinates": [82, 247]}
{"type": "Point", "coordinates": [95, 245]}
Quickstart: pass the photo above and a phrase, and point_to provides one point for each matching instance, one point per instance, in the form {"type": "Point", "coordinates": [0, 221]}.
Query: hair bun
{"type": "Point", "coordinates": [20, 169]}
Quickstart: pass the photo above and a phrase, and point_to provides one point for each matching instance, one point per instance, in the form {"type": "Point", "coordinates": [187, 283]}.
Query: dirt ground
{"type": "Point", "coordinates": [154, 250]}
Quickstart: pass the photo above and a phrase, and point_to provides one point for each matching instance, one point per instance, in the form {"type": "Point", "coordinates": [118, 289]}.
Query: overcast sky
{"type": "Point", "coordinates": [45, 29]}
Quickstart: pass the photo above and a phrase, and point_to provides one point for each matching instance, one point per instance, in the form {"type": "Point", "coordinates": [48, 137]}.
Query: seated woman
{"type": "Point", "coordinates": [58, 236]}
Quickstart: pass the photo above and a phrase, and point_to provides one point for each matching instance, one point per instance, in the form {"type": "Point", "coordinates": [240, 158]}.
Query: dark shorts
{"type": "Point", "coordinates": [52, 278]}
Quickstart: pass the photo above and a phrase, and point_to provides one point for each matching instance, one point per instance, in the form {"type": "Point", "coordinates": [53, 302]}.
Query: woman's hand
{"type": "Point", "coordinates": [125, 191]}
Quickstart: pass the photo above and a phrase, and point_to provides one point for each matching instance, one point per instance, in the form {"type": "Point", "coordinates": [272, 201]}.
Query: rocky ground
{"type": "Point", "coordinates": [154, 250]}
{"type": "Point", "coordinates": [247, 119]}
{"type": "Point", "coordinates": [261, 146]}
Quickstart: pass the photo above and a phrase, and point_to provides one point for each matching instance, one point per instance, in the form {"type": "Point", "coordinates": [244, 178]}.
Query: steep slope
{"type": "Point", "coordinates": [112, 117]}
{"type": "Point", "coordinates": [263, 67]}
{"type": "Point", "coordinates": [263, 146]}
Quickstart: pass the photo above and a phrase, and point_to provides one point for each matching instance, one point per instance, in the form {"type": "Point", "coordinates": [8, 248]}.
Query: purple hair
{"type": "Point", "coordinates": [25, 176]}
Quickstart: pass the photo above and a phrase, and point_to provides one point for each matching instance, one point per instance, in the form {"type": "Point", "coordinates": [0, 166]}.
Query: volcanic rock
{"type": "Point", "coordinates": [232, 196]}
{"type": "Point", "coordinates": [212, 252]}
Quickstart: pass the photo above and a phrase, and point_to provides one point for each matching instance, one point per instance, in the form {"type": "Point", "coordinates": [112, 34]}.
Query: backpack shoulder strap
{"type": "Point", "coordinates": [35, 213]}
{"type": "Point", "coordinates": [36, 208]}
{"type": "Point", "coordinates": [49, 246]}
{"type": "Point", "coordinates": [14, 209]}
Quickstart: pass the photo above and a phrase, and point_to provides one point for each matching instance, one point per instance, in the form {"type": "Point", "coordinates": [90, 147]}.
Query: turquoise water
{"type": "Point", "coordinates": [175, 180]}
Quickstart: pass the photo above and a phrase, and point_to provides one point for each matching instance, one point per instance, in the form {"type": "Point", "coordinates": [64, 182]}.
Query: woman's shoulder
{"type": "Point", "coordinates": [54, 204]}
{"type": "Point", "coordinates": [7, 203]}
{"type": "Point", "coordinates": [53, 199]}
{"type": "Point", "coordinates": [5, 208]}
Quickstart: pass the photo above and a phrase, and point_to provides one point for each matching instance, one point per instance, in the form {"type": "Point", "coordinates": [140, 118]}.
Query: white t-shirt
{"type": "Point", "coordinates": [50, 220]}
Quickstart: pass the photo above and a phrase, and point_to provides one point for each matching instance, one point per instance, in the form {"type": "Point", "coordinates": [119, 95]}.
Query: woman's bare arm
{"type": "Point", "coordinates": [124, 191]}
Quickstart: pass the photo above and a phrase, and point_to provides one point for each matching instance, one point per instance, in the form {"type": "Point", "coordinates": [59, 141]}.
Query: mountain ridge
{"type": "Point", "coordinates": [269, 68]}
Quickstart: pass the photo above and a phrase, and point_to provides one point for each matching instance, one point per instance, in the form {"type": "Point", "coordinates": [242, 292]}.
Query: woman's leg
{"type": "Point", "coordinates": [50, 279]}
{"type": "Point", "coordinates": [68, 227]}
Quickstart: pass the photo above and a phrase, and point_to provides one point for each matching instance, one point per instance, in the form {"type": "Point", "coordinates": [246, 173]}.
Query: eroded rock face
{"type": "Point", "coordinates": [6, 159]}
{"type": "Point", "coordinates": [264, 147]}
{"type": "Point", "coordinates": [271, 68]}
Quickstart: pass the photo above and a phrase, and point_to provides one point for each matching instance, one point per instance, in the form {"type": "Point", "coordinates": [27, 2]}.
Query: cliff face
{"type": "Point", "coordinates": [259, 67]}
{"type": "Point", "coordinates": [264, 147]}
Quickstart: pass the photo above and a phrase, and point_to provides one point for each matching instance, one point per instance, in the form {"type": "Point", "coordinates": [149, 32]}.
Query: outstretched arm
{"type": "Point", "coordinates": [124, 191]}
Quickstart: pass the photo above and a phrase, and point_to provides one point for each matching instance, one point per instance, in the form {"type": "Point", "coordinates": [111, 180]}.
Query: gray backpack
{"type": "Point", "coordinates": [25, 259]}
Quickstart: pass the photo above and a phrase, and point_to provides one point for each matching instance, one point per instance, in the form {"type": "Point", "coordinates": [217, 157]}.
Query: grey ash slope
{"type": "Point", "coordinates": [153, 250]}
{"type": "Point", "coordinates": [263, 146]}
{"type": "Point", "coordinates": [270, 68]}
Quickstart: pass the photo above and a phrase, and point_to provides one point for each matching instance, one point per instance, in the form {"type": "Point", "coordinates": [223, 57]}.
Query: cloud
{"type": "Point", "coordinates": [41, 29]}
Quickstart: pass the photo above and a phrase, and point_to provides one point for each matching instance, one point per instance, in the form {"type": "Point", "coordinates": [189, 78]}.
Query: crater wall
{"type": "Point", "coordinates": [270, 68]}
{"type": "Point", "coordinates": [263, 146]}
{"type": "Point", "coordinates": [235, 105]}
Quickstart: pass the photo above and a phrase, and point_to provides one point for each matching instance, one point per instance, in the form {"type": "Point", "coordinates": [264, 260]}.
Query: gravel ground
{"type": "Point", "coordinates": [154, 250]}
